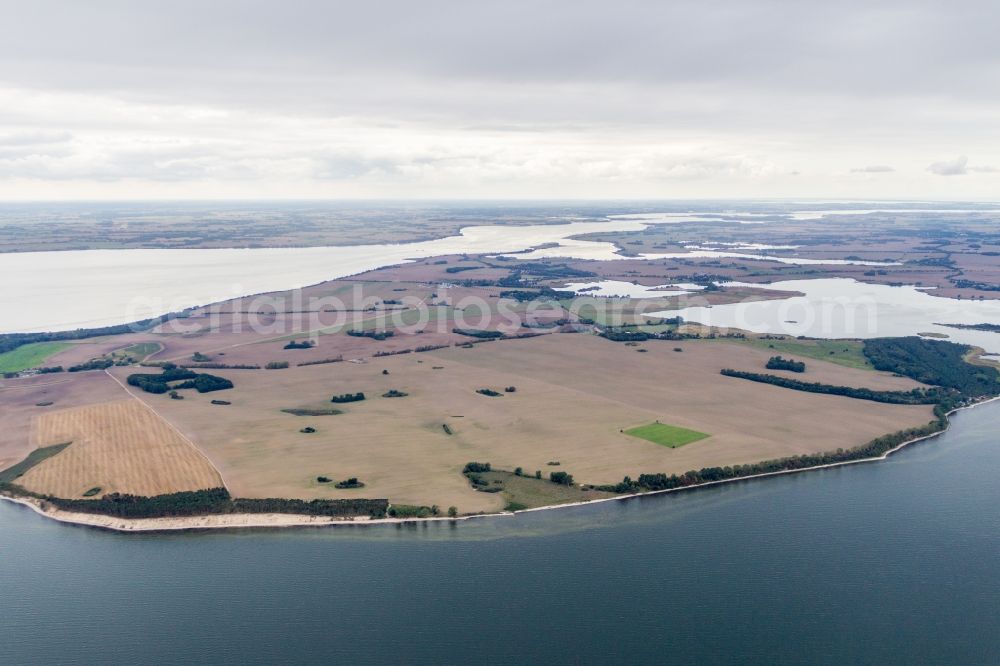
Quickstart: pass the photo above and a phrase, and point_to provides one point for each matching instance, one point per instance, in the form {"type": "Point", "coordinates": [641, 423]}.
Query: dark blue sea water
{"type": "Point", "coordinates": [893, 562]}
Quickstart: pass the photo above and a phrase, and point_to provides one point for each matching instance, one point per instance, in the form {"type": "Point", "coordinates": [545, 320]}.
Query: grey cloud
{"type": "Point", "coordinates": [956, 167]}
{"type": "Point", "coordinates": [302, 53]}
{"type": "Point", "coordinates": [875, 168]}
{"type": "Point", "coordinates": [33, 138]}
{"type": "Point", "coordinates": [569, 93]}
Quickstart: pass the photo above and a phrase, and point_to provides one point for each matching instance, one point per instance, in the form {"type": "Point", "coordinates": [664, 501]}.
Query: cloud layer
{"type": "Point", "coordinates": [498, 99]}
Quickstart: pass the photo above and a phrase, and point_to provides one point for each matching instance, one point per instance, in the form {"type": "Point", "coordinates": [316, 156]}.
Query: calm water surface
{"type": "Point", "coordinates": [895, 562]}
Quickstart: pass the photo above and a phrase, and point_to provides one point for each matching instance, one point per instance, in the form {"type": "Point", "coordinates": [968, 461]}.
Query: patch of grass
{"type": "Point", "coordinates": [140, 350]}
{"type": "Point", "coordinates": [849, 353]}
{"type": "Point", "coordinates": [35, 457]}
{"type": "Point", "coordinates": [29, 356]}
{"type": "Point", "coordinates": [527, 492]}
{"type": "Point", "coordinates": [666, 435]}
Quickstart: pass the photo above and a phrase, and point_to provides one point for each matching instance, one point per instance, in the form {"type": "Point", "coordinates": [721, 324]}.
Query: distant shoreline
{"type": "Point", "coordinates": [280, 520]}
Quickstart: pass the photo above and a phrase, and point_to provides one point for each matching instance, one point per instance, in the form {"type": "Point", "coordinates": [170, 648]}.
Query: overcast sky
{"type": "Point", "coordinates": [570, 99]}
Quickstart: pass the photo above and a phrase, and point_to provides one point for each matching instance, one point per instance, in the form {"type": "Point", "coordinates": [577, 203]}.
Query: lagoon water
{"type": "Point", "coordinates": [54, 291]}
{"type": "Point", "coordinates": [846, 308]}
{"type": "Point", "coordinates": [889, 562]}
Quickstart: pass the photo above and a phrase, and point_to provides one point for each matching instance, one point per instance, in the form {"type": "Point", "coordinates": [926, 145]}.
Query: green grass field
{"type": "Point", "coordinates": [666, 435]}
{"type": "Point", "coordinates": [849, 353]}
{"type": "Point", "coordinates": [29, 356]}
{"type": "Point", "coordinates": [141, 350]}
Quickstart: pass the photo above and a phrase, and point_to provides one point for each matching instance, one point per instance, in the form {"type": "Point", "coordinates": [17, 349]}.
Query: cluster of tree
{"type": "Point", "coordinates": [476, 333]}
{"type": "Point", "coordinates": [489, 392]}
{"type": "Point", "coordinates": [780, 363]}
{"type": "Point", "coordinates": [349, 483]}
{"type": "Point", "coordinates": [223, 366]}
{"type": "Point", "coordinates": [933, 362]}
{"type": "Point", "coordinates": [411, 511]}
{"type": "Point", "coordinates": [459, 269]}
{"type": "Point", "coordinates": [11, 341]}
{"type": "Point", "coordinates": [161, 383]}
{"type": "Point", "coordinates": [618, 335]}
{"type": "Point", "coordinates": [978, 286]}
{"type": "Point", "coordinates": [49, 369]}
{"type": "Point", "coordinates": [348, 397]}
{"type": "Point", "coordinates": [276, 365]}
{"type": "Point", "coordinates": [393, 393]}
{"type": "Point", "coordinates": [205, 383]}
{"type": "Point", "coordinates": [93, 364]}
{"type": "Point", "coordinates": [543, 293]}
{"type": "Point", "coordinates": [562, 478]}
{"type": "Point", "coordinates": [942, 262]}
{"type": "Point", "coordinates": [374, 335]}
{"type": "Point", "coordinates": [553, 270]}
{"type": "Point", "coordinates": [474, 471]}
{"type": "Point", "coordinates": [917, 396]}
{"type": "Point", "coordinates": [305, 344]}
{"type": "Point", "coordinates": [198, 357]}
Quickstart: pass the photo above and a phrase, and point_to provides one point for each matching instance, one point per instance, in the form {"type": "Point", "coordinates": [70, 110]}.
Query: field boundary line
{"type": "Point", "coordinates": [172, 427]}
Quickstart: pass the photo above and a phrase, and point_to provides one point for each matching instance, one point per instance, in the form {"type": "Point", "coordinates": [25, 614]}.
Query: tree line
{"type": "Point", "coordinates": [917, 396]}
{"type": "Point", "coordinates": [205, 502]}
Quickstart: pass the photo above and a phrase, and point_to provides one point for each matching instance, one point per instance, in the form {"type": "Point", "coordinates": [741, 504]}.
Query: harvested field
{"type": "Point", "coordinates": [21, 400]}
{"type": "Point", "coordinates": [575, 394]}
{"type": "Point", "coordinates": [118, 446]}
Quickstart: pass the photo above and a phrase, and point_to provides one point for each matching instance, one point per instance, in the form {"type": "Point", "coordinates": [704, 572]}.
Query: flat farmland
{"type": "Point", "coordinates": [22, 400]}
{"type": "Point", "coordinates": [119, 446]}
{"type": "Point", "coordinates": [575, 395]}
